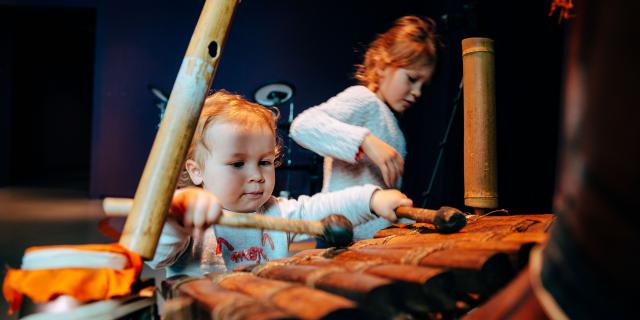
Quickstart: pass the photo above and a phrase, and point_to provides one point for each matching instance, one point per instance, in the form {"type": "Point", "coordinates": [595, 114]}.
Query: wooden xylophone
{"type": "Point", "coordinates": [406, 271]}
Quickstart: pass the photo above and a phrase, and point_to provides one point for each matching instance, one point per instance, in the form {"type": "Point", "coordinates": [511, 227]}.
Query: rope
{"type": "Point", "coordinates": [414, 256]}
{"type": "Point", "coordinates": [472, 218]}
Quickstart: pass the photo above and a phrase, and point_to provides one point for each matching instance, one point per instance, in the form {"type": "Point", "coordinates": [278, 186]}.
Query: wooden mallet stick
{"type": "Point", "coordinates": [335, 229]}
{"type": "Point", "coordinates": [445, 219]}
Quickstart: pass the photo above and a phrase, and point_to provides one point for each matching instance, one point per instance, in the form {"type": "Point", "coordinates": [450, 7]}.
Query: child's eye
{"type": "Point", "coordinates": [411, 79]}
{"type": "Point", "coordinates": [237, 164]}
{"type": "Point", "coordinates": [266, 163]}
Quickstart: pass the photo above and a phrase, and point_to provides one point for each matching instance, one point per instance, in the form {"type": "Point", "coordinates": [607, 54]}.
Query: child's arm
{"type": "Point", "coordinates": [190, 208]}
{"type": "Point", "coordinates": [195, 207]}
{"type": "Point", "coordinates": [385, 202]}
{"type": "Point", "coordinates": [387, 158]}
{"type": "Point", "coordinates": [332, 128]}
{"type": "Point", "coordinates": [355, 203]}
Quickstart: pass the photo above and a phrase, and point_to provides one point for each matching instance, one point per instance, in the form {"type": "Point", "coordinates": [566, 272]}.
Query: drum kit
{"type": "Point", "coordinates": [276, 96]}
{"type": "Point", "coordinates": [160, 99]}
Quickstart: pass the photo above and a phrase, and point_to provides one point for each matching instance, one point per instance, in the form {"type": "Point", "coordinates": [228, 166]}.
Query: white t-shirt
{"type": "Point", "coordinates": [238, 246]}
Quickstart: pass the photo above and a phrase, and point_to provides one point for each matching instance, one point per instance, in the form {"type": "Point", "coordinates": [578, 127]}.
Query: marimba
{"type": "Point", "coordinates": [407, 271]}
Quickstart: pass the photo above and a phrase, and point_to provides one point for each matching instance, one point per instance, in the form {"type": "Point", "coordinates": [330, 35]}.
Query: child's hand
{"type": "Point", "coordinates": [195, 207]}
{"type": "Point", "coordinates": [385, 202]}
{"type": "Point", "coordinates": [385, 157]}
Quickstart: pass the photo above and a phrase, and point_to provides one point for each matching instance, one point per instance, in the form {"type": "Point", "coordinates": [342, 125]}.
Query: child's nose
{"type": "Point", "coordinates": [416, 92]}
{"type": "Point", "coordinates": [256, 175]}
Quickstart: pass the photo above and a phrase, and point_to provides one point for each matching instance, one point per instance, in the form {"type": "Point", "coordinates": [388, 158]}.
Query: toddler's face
{"type": "Point", "coordinates": [240, 169]}
{"type": "Point", "coordinates": [400, 88]}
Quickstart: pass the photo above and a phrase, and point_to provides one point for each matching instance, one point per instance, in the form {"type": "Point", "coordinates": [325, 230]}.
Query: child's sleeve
{"type": "Point", "coordinates": [353, 203]}
{"type": "Point", "coordinates": [173, 241]}
{"type": "Point", "coordinates": [336, 128]}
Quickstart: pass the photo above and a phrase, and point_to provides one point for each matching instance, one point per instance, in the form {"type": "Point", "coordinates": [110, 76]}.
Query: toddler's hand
{"type": "Point", "coordinates": [385, 157]}
{"type": "Point", "coordinates": [385, 202]}
{"type": "Point", "coordinates": [195, 207]}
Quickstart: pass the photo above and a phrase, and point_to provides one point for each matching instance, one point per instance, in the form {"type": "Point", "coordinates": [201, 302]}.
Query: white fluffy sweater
{"type": "Point", "coordinates": [336, 129]}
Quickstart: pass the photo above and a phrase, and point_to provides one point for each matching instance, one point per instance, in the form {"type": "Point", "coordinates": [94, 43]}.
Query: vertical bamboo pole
{"type": "Point", "coordinates": [480, 165]}
{"type": "Point", "coordinates": [160, 175]}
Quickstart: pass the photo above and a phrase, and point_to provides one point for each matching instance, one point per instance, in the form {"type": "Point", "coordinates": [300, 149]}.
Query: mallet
{"type": "Point", "coordinates": [335, 229]}
{"type": "Point", "coordinates": [445, 219]}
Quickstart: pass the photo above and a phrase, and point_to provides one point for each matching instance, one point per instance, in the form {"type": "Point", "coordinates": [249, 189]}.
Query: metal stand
{"type": "Point", "coordinates": [441, 145]}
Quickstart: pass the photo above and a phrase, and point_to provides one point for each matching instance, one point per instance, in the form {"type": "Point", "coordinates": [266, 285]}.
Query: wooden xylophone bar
{"type": "Point", "coordinates": [426, 275]}
{"type": "Point", "coordinates": [377, 295]}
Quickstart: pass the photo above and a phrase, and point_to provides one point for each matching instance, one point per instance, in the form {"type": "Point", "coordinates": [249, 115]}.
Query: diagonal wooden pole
{"type": "Point", "coordinates": [153, 196]}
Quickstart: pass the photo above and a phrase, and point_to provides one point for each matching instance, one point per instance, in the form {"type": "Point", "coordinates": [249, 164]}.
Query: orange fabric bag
{"type": "Point", "coordinates": [83, 284]}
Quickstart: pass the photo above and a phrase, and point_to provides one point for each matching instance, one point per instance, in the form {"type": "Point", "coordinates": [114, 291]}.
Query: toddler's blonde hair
{"type": "Point", "coordinates": [223, 106]}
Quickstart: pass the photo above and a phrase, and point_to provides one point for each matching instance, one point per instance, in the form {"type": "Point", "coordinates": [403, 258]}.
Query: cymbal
{"type": "Point", "coordinates": [158, 93]}
{"type": "Point", "coordinates": [274, 94]}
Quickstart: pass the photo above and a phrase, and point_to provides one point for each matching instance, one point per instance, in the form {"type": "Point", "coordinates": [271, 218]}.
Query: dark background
{"type": "Point", "coordinates": [76, 111]}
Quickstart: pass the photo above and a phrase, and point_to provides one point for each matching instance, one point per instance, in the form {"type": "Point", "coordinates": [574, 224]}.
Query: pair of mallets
{"type": "Point", "coordinates": [335, 229]}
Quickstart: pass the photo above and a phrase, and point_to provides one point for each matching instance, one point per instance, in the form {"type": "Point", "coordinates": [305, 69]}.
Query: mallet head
{"type": "Point", "coordinates": [449, 220]}
{"type": "Point", "coordinates": [338, 230]}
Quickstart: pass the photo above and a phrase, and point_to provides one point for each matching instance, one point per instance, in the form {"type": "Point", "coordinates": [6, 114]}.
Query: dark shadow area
{"type": "Point", "coordinates": [50, 65]}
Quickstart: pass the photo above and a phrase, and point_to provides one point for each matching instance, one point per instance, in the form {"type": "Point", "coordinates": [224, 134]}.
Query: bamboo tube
{"type": "Point", "coordinates": [437, 283]}
{"type": "Point", "coordinates": [424, 256]}
{"type": "Point", "coordinates": [513, 302]}
{"type": "Point", "coordinates": [508, 242]}
{"type": "Point", "coordinates": [480, 167]}
{"type": "Point", "coordinates": [178, 309]}
{"type": "Point", "coordinates": [517, 247]}
{"type": "Point", "coordinates": [426, 240]}
{"type": "Point", "coordinates": [295, 299]}
{"type": "Point", "coordinates": [523, 237]}
{"type": "Point", "coordinates": [518, 253]}
{"type": "Point", "coordinates": [220, 303]}
{"type": "Point", "coordinates": [375, 294]}
{"type": "Point", "coordinates": [536, 223]}
{"type": "Point", "coordinates": [506, 247]}
{"type": "Point", "coordinates": [159, 178]}
{"type": "Point", "coordinates": [398, 232]}
{"type": "Point", "coordinates": [477, 271]}
{"type": "Point", "coordinates": [514, 223]}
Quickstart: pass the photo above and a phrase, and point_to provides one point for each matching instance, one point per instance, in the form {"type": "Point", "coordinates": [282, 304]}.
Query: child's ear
{"type": "Point", "coordinates": [195, 172]}
{"type": "Point", "coordinates": [383, 71]}
{"type": "Point", "coordinates": [381, 66]}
